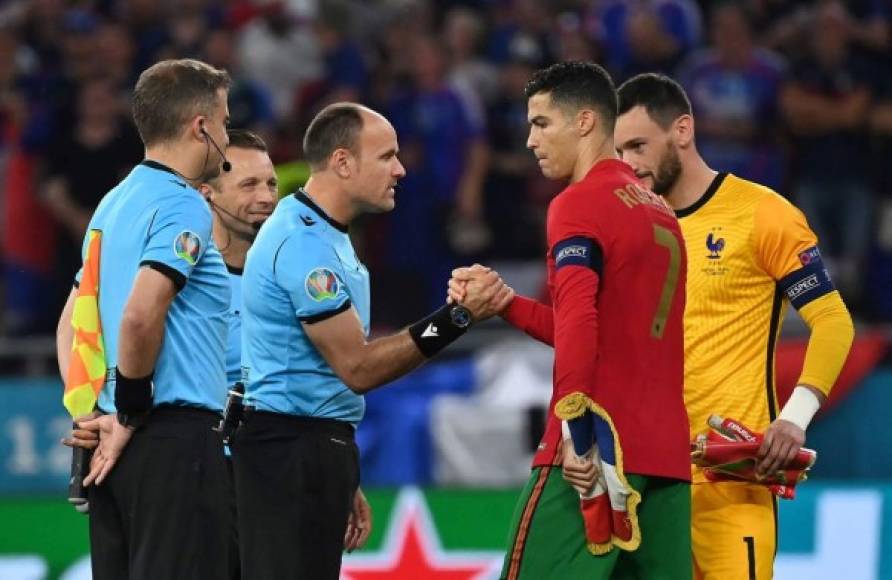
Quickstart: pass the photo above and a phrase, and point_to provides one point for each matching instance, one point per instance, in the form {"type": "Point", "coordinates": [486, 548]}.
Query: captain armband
{"type": "Point", "coordinates": [809, 282]}
{"type": "Point", "coordinates": [578, 251]}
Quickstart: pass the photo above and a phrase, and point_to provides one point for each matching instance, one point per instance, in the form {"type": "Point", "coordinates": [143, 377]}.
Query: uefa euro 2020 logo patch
{"type": "Point", "coordinates": [187, 246]}
{"type": "Point", "coordinates": [322, 284]}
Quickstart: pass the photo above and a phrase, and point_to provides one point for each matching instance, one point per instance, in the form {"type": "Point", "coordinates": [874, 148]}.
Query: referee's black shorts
{"type": "Point", "coordinates": [165, 509]}
{"type": "Point", "coordinates": [295, 480]}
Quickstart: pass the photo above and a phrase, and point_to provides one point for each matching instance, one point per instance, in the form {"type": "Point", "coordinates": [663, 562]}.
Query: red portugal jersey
{"type": "Point", "coordinates": [616, 275]}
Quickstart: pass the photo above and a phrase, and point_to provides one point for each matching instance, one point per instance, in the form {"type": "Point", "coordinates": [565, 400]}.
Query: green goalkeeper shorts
{"type": "Point", "coordinates": [547, 538]}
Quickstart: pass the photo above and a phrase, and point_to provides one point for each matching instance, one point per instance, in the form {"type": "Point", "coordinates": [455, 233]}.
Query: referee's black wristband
{"type": "Point", "coordinates": [133, 396]}
{"type": "Point", "coordinates": [439, 329]}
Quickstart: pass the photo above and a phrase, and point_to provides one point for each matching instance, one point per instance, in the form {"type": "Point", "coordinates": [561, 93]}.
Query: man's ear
{"type": "Point", "coordinates": [342, 163]}
{"type": "Point", "coordinates": [196, 128]}
{"type": "Point", "coordinates": [206, 192]}
{"type": "Point", "coordinates": [683, 131]}
{"type": "Point", "coordinates": [586, 121]}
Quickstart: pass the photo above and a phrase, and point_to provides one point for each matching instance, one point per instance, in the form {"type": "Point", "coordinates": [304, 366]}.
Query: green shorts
{"type": "Point", "coordinates": [547, 538]}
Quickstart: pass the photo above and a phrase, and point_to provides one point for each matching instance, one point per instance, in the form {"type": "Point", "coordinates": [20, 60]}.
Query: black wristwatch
{"type": "Point", "coordinates": [132, 421]}
{"type": "Point", "coordinates": [460, 316]}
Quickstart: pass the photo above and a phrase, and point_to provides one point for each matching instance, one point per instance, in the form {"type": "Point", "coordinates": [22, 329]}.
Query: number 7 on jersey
{"type": "Point", "coordinates": [664, 237]}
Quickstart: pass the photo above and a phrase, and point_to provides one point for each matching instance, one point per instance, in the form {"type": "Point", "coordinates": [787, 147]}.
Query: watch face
{"type": "Point", "coordinates": [461, 317]}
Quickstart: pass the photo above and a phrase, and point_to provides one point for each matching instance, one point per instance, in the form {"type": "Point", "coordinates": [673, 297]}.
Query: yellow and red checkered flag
{"type": "Point", "coordinates": [86, 371]}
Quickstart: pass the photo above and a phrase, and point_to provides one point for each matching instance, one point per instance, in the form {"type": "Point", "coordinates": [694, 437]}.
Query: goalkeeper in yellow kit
{"type": "Point", "coordinates": [750, 254]}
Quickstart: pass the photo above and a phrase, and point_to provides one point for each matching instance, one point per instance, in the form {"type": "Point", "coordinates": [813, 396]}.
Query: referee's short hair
{"type": "Point", "coordinates": [576, 85]}
{"type": "Point", "coordinates": [244, 139]}
{"type": "Point", "coordinates": [239, 139]}
{"type": "Point", "coordinates": [663, 98]}
{"type": "Point", "coordinates": [170, 93]}
{"type": "Point", "coordinates": [337, 126]}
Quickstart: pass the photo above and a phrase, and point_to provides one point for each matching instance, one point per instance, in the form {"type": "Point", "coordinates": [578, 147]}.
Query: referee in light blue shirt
{"type": "Point", "coordinates": [306, 358]}
{"type": "Point", "coordinates": [241, 199]}
{"type": "Point", "coordinates": [159, 494]}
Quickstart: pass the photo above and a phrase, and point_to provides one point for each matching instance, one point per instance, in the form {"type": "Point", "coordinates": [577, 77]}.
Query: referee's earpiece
{"type": "Point", "coordinates": [227, 166]}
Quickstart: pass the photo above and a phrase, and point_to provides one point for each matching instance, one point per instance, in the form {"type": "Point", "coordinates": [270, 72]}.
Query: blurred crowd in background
{"type": "Point", "coordinates": [794, 95]}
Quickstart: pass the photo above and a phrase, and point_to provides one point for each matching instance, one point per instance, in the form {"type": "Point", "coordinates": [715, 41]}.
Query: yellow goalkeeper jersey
{"type": "Point", "coordinates": [748, 255]}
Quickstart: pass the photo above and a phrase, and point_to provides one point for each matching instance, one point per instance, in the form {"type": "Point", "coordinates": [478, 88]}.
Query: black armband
{"type": "Point", "coordinates": [133, 396]}
{"type": "Point", "coordinates": [809, 282]}
{"type": "Point", "coordinates": [439, 329]}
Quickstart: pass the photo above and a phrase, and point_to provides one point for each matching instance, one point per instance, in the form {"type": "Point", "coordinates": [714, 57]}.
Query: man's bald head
{"type": "Point", "coordinates": [337, 126]}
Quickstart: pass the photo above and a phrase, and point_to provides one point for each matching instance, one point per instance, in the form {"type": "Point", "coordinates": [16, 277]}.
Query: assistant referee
{"type": "Point", "coordinates": [158, 499]}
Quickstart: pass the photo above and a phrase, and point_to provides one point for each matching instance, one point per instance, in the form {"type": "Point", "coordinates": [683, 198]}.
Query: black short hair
{"type": "Point", "coordinates": [170, 93]}
{"type": "Point", "coordinates": [575, 85]}
{"type": "Point", "coordinates": [662, 97]}
{"type": "Point", "coordinates": [337, 126]}
{"type": "Point", "coordinates": [244, 139]}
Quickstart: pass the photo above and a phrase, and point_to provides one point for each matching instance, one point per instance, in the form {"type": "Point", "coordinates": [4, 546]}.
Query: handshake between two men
{"type": "Point", "coordinates": [483, 292]}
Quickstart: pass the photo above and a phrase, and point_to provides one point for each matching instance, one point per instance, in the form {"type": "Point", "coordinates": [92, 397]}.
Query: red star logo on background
{"type": "Point", "coordinates": [412, 551]}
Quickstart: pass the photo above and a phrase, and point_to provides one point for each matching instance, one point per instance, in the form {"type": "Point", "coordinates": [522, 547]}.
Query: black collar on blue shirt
{"type": "Point", "coordinates": [161, 167]}
{"type": "Point", "coordinates": [707, 195]}
{"type": "Point", "coordinates": [234, 270]}
{"type": "Point", "coordinates": [302, 197]}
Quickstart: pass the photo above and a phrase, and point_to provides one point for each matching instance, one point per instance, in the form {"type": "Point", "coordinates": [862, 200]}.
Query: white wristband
{"type": "Point", "coordinates": [801, 407]}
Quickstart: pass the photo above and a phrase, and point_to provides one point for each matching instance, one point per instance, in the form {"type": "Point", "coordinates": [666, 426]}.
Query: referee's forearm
{"type": "Point", "coordinates": [381, 361]}
{"type": "Point", "coordinates": [139, 343]}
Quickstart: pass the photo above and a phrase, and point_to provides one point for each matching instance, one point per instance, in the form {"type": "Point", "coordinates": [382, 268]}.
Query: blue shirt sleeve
{"type": "Point", "coordinates": [309, 270]}
{"type": "Point", "coordinates": [177, 238]}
